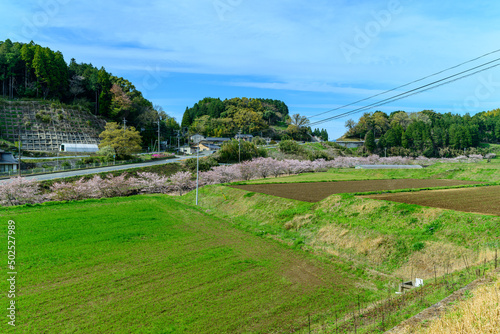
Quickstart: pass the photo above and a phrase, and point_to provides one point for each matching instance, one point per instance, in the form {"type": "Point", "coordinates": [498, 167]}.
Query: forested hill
{"type": "Point", "coordinates": [214, 117]}
{"type": "Point", "coordinates": [427, 132]}
{"type": "Point", "coordinates": [261, 117]}
{"type": "Point", "coordinates": [30, 71]}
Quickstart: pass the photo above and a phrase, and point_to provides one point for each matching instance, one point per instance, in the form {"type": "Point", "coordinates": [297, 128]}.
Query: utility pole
{"type": "Point", "coordinates": [239, 145]}
{"type": "Point", "coordinates": [197, 171]}
{"type": "Point", "coordinates": [178, 141]}
{"type": "Point", "coordinates": [19, 151]}
{"type": "Point", "coordinates": [159, 119]}
{"type": "Point", "coordinates": [124, 124]}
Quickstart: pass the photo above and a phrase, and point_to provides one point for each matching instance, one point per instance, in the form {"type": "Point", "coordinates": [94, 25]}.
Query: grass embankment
{"type": "Point", "coordinates": [149, 264]}
{"type": "Point", "coordinates": [392, 238]}
{"type": "Point", "coordinates": [384, 242]}
{"type": "Point", "coordinates": [483, 171]}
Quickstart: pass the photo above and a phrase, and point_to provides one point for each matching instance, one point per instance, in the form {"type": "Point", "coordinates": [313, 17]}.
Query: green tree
{"type": "Point", "coordinates": [186, 118]}
{"type": "Point", "coordinates": [125, 142]}
{"type": "Point", "coordinates": [105, 97]}
{"type": "Point", "coordinates": [497, 130]}
{"type": "Point", "coordinates": [299, 121]}
{"type": "Point", "coordinates": [370, 141]}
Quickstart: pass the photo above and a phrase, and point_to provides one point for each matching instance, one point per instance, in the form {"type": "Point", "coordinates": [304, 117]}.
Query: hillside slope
{"type": "Point", "coordinates": [45, 126]}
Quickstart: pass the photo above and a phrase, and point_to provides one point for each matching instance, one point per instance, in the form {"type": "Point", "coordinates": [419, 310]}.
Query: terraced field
{"type": "Point", "coordinates": [484, 200]}
{"type": "Point", "coordinates": [317, 191]}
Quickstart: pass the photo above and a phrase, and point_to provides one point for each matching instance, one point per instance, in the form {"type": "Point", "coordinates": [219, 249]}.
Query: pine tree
{"type": "Point", "coordinates": [186, 119]}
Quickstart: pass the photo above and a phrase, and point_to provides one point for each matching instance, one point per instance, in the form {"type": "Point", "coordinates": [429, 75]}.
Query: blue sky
{"type": "Point", "coordinates": [315, 56]}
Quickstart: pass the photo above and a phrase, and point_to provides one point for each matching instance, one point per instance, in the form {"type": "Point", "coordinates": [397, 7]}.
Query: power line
{"type": "Point", "coordinates": [414, 91]}
{"type": "Point", "coordinates": [407, 84]}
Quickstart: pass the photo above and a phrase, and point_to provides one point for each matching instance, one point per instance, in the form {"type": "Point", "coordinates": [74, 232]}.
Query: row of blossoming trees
{"type": "Point", "coordinates": [20, 191]}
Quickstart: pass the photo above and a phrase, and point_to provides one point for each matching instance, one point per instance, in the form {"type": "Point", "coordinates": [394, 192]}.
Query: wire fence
{"type": "Point", "coordinates": [382, 315]}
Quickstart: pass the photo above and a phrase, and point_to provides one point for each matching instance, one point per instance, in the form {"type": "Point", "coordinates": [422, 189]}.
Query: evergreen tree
{"type": "Point", "coordinates": [104, 82]}
{"type": "Point", "coordinates": [370, 141]}
{"type": "Point", "coordinates": [186, 119]}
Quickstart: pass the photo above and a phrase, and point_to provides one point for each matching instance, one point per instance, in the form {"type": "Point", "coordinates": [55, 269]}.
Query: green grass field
{"type": "Point", "coordinates": [149, 264]}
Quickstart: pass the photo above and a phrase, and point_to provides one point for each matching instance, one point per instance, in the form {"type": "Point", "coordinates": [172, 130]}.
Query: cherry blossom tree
{"type": "Point", "coordinates": [19, 191]}
{"type": "Point", "coordinates": [181, 181]}
{"type": "Point", "coordinates": [152, 183]}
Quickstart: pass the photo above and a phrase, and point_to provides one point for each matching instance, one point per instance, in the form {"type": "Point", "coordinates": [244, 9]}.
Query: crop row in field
{"type": "Point", "coordinates": [317, 191]}
{"type": "Point", "coordinates": [485, 200]}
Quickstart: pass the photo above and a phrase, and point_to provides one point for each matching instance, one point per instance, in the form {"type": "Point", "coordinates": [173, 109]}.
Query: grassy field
{"type": "Point", "coordinates": [483, 171]}
{"type": "Point", "coordinates": [148, 264]}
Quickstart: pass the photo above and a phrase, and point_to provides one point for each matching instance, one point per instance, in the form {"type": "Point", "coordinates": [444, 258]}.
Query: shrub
{"type": "Point", "coordinates": [258, 141]}
{"type": "Point", "coordinates": [232, 151]}
{"type": "Point", "coordinates": [205, 164]}
{"type": "Point", "coordinates": [289, 146]}
{"type": "Point", "coordinates": [107, 152]}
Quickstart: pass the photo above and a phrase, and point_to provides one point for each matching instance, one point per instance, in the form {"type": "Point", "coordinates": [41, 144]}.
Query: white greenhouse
{"type": "Point", "coordinates": [86, 148]}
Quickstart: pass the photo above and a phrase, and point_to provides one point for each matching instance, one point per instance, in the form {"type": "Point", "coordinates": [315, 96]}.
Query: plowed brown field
{"type": "Point", "coordinates": [315, 192]}
{"type": "Point", "coordinates": [479, 200]}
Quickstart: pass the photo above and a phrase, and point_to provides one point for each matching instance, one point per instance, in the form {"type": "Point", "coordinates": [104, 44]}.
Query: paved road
{"type": "Point", "coordinates": [55, 158]}
{"type": "Point", "coordinates": [61, 175]}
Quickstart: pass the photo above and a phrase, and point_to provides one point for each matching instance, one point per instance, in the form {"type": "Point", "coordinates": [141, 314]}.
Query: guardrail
{"type": "Point", "coordinates": [58, 169]}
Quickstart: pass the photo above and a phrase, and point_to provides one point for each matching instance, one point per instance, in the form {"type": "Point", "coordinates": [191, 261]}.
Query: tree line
{"type": "Point", "coordinates": [425, 133]}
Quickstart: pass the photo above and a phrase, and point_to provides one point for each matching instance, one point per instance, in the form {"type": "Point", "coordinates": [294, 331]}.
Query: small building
{"type": "Point", "coordinates": [83, 148]}
{"type": "Point", "coordinates": [7, 162]}
{"type": "Point", "coordinates": [215, 140]}
{"type": "Point", "coordinates": [207, 147]}
{"type": "Point", "coordinates": [243, 137]}
{"type": "Point", "coordinates": [196, 138]}
{"type": "Point", "coordinates": [350, 143]}
{"type": "Point", "coordinates": [187, 149]}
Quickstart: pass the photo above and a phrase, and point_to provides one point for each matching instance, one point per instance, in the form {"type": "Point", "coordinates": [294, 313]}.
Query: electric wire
{"type": "Point", "coordinates": [432, 85]}
{"type": "Point", "coordinates": [407, 84]}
